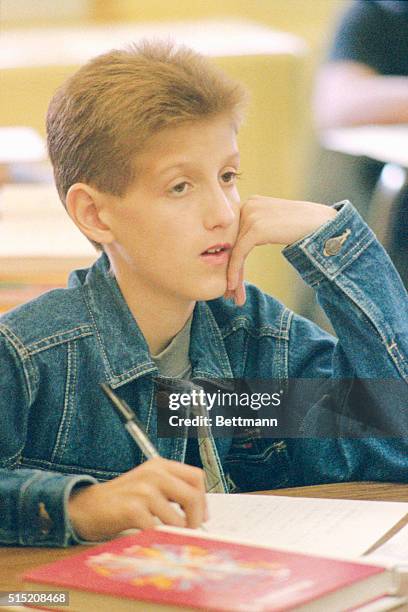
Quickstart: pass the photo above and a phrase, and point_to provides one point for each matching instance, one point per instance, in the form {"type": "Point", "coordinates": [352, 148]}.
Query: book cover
{"type": "Point", "coordinates": [165, 570]}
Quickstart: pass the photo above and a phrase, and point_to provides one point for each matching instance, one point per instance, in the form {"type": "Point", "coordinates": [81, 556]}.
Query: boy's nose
{"type": "Point", "coordinates": [219, 210]}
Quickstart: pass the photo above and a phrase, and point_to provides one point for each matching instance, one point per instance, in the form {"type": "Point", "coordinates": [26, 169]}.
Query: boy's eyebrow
{"type": "Point", "coordinates": [234, 157]}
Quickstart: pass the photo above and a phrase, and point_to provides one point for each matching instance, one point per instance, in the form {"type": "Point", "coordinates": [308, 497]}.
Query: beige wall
{"type": "Point", "coordinates": [23, 13]}
{"type": "Point", "coordinates": [308, 18]}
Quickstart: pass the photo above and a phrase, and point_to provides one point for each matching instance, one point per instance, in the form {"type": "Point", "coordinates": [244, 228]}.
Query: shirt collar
{"type": "Point", "coordinates": [123, 348]}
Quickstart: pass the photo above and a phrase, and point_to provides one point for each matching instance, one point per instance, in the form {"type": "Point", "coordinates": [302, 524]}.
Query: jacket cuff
{"type": "Point", "coordinates": [43, 516]}
{"type": "Point", "coordinates": [331, 248]}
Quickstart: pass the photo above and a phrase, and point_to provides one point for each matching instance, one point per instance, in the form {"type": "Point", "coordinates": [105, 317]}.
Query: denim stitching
{"type": "Point", "coordinates": [16, 456]}
{"type": "Point", "coordinates": [26, 362]}
{"type": "Point", "coordinates": [21, 503]}
{"type": "Point", "coordinates": [285, 360]}
{"type": "Point", "coordinates": [135, 372]}
{"type": "Point", "coordinates": [379, 326]}
{"type": "Point", "coordinates": [149, 414]}
{"type": "Point", "coordinates": [59, 338]}
{"type": "Point", "coordinates": [398, 358]}
{"type": "Point", "coordinates": [66, 469]}
{"type": "Point", "coordinates": [280, 347]}
{"type": "Point", "coordinates": [344, 216]}
{"type": "Point", "coordinates": [365, 240]}
{"type": "Point", "coordinates": [216, 333]}
{"type": "Point", "coordinates": [116, 379]}
{"type": "Point", "coordinates": [281, 324]}
{"type": "Point", "coordinates": [243, 323]}
{"type": "Point", "coordinates": [15, 342]}
{"type": "Point", "coordinates": [275, 448]}
{"type": "Point", "coordinates": [71, 386]}
{"type": "Point", "coordinates": [105, 357]}
{"type": "Point", "coordinates": [244, 355]}
{"type": "Point", "coordinates": [179, 449]}
{"type": "Point", "coordinates": [366, 307]}
{"type": "Point", "coordinates": [66, 418]}
{"type": "Point", "coordinates": [217, 458]}
{"type": "Point", "coordinates": [352, 255]}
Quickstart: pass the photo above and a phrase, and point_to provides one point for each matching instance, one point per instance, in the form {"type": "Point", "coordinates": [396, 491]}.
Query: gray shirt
{"type": "Point", "coordinates": [174, 360]}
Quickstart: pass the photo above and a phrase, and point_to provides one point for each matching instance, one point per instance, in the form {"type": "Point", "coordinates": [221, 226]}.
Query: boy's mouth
{"type": "Point", "coordinates": [217, 254]}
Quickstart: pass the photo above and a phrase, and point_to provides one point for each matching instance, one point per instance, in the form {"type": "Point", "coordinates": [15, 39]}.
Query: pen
{"type": "Point", "coordinates": [131, 423]}
{"type": "Point", "coordinates": [134, 427]}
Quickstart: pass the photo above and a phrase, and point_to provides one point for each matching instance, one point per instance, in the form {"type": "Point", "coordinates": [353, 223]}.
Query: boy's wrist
{"type": "Point", "coordinates": [331, 247]}
{"type": "Point", "coordinates": [74, 513]}
{"type": "Point", "coordinates": [317, 216]}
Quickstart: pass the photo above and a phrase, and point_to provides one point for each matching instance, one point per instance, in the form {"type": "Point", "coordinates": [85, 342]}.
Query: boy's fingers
{"type": "Point", "coordinates": [191, 500]}
{"type": "Point", "coordinates": [166, 512]}
{"type": "Point", "coordinates": [192, 478]}
{"type": "Point", "coordinates": [140, 518]}
{"type": "Point", "coordinates": [238, 256]}
{"type": "Point", "coordinates": [189, 473]}
{"type": "Point", "coordinates": [240, 293]}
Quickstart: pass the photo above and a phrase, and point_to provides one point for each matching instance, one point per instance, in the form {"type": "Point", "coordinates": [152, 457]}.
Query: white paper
{"type": "Point", "coordinates": [385, 603]}
{"type": "Point", "coordinates": [327, 527]}
{"type": "Point", "coordinates": [394, 551]}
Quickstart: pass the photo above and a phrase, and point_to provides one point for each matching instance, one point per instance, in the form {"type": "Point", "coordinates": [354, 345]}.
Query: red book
{"type": "Point", "coordinates": [158, 570]}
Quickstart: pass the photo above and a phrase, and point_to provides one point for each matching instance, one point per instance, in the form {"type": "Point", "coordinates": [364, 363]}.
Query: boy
{"type": "Point", "coordinates": [143, 144]}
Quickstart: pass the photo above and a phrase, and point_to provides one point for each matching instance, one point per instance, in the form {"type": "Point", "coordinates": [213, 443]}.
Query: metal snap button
{"type": "Point", "coordinates": [45, 523]}
{"type": "Point", "coordinates": [332, 246]}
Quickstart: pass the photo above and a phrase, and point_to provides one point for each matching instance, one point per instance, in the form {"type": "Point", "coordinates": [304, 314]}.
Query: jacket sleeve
{"type": "Point", "coordinates": [361, 293]}
{"type": "Point", "coordinates": [33, 503]}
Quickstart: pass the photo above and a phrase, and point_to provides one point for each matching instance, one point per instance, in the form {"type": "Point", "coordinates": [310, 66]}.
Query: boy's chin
{"type": "Point", "coordinates": [211, 293]}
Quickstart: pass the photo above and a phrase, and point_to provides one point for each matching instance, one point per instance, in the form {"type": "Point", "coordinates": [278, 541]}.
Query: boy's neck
{"type": "Point", "coordinates": [159, 325]}
{"type": "Point", "coordinates": [159, 319]}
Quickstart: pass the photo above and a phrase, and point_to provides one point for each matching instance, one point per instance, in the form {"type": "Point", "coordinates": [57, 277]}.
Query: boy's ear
{"type": "Point", "coordinates": [84, 205]}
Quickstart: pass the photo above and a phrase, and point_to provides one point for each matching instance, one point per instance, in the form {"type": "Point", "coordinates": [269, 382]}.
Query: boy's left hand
{"type": "Point", "coordinates": [266, 220]}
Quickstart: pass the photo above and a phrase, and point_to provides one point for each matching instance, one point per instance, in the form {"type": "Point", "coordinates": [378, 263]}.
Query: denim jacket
{"type": "Point", "coordinates": [58, 431]}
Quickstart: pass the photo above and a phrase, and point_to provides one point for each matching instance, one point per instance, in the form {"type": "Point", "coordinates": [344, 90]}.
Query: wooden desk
{"type": "Point", "coordinates": [15, 560]}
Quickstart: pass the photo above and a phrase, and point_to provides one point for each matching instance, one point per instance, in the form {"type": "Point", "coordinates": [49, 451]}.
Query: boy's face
{"type": "Point", "coordinates": [183, 202]}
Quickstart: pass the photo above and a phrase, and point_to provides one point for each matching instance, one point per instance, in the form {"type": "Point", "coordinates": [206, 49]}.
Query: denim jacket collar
{"type": "Point", "coordinates": [123, 348]}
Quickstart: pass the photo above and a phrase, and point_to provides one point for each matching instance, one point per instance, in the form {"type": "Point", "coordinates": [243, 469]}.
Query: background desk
{"type": "Point", "coordinates": [16, 560]}
{"type": "Point", "coordinates": [387, 212]}
{"type": "Point", "coordinates": [39, 244]}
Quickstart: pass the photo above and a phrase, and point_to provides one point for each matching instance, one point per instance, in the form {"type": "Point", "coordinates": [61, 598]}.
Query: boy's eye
{"type": "Point", "coordinates": [229, 177]}
{"type": "Point", "coordinates": [180, 188]}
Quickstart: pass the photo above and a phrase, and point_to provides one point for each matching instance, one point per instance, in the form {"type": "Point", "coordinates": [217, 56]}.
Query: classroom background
{"type": "Point", "coordinates": [273, 46]}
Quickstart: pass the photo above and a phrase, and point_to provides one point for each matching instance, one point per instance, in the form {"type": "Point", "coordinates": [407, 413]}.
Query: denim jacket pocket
{"type": "Point", "coordinates": [257, 464]}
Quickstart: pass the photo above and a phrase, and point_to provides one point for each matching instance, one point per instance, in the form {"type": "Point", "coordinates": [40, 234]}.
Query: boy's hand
{"type": "Point", "coordinates": [138, 498]}
{"type": "Point", "coordinates": [270, 221]}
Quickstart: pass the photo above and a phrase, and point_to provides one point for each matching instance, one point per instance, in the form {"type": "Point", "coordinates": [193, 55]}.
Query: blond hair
{"type": "Point", "coordinates": [105, 113]}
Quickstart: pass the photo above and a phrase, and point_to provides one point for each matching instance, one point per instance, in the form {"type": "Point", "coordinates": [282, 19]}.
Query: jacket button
{"type": "Point", "coordinates": [45, 523]}
{"type": "Point", "coordinates": [333, 245]}
{"type": "Point", "coordinates": [162, 399]}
